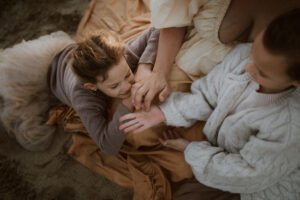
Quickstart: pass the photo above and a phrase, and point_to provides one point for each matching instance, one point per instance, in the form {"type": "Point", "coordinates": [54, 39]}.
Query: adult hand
{"type": "Point", "coordinates": [144, 91]}
{"type": "Point", "coordinates": [139, 121]}
{"type": "Point", "coordinates": [173, 140]}
{"type": "Point", "coordinates": [143, 71]}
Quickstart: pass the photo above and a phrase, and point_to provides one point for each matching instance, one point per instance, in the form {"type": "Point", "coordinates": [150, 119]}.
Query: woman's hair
{"type": "Point", "coordinates": [94, 56]}
{"type": "Point", "coordinates": [282, 37]}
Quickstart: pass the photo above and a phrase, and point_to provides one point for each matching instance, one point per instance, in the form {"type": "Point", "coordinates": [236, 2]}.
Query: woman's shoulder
{"type": "Point", "coordinates": [238, 22]}
{"type": "Point", "coordinates": [234, 62]}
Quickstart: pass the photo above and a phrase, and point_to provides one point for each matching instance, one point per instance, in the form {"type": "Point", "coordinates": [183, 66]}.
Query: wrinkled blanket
{"type": "Point", "coordinates": [142, 164]}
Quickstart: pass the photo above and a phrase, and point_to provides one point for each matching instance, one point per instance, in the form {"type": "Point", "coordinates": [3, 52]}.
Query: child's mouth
{"type": "Point", "coordinates": [127, 93]}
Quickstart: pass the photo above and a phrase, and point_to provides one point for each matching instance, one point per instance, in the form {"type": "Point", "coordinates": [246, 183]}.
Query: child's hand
{"type": "Point", "coordinates": [173, 140]}
{"type": "Point", "coordinates": [128, 104]}
{"type": "Point", "coordinates": [141, 120]}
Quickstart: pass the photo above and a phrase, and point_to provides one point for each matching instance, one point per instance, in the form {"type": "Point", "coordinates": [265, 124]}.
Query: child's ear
{"type": "Point", "coordinates": [90, 86]}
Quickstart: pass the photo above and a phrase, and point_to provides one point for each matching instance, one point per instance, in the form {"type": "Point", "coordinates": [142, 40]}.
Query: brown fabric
{"type": "Point", "coordinates": [193, 190]}
{"type": "Point", "coordinates": [65, 117]}
{"type": "Point", "coordinates": [147, 170]}
{"type": "Point", "coordinates": [142, 164]}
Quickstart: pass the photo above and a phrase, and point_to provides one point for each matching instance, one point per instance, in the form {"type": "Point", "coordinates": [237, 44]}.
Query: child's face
{"type": "Point", "coordinates": [268, 70]}
{"type": "Point", "coordinates": [118, 81]}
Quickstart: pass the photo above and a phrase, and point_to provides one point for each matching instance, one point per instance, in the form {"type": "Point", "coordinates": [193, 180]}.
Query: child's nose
{"type": "Point", "coordinates": [131, 79]}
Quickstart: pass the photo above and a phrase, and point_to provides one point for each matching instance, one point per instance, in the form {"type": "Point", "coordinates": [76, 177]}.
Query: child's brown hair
{"type": "Point", "coordinates": [282, 37]}
{"type": "Point", "coordinates": [94, 56]}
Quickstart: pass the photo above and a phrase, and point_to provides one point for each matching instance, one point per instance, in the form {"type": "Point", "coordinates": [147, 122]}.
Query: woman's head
{"type": "Point", "coordinates": [276, 53]}
{"type": "Point", "coordinates": [99, 63]}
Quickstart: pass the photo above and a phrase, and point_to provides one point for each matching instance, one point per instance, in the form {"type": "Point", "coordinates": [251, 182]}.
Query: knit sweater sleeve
{"type": "Point", "coordinates": [184, 109]}
{"type": "Point", "coordinates": [92, 111]}
{"type": "Point", "coordinates": [143, 48]}
{"type": "Point", "coordinates": [263, 161]}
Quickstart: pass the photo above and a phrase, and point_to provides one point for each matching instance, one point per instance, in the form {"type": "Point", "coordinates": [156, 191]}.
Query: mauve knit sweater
{"type": "Point", "coordinates": [92, 106]}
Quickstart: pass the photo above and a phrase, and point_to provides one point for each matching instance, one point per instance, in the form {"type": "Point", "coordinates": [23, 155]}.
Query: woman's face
{"type": "Point", "coordinates": [118, 81]}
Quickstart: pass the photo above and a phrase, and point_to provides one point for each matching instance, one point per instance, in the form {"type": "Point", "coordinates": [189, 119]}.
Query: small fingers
{"type": "Point", "coordinates": [133, 128]}
{"type": "Point", "coordinates": [162, 141]}
{"type": "Point", "coordinates": [127, 117]}
{"type": "Point", "coordinates": [139, 96]}
{"type": "Point", "coordinates": [175, 133]}
{"type": "Point", "coordinates": [168, 143]}
{"type": "Point", "coordinates": [171, 135]}
{"type": "Point", "coordinates": [148, 99]}
{"type": "Point", "coordinates": [127, 124]}
{"type": "Point", "coordinates": [165, 136]}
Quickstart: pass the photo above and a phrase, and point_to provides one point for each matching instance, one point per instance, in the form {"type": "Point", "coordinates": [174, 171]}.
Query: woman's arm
{"type": "Point", "coordinates": [145, 90]}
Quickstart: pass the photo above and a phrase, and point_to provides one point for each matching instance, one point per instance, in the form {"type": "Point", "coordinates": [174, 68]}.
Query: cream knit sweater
{"type": "Point", "coordinates": [253, 146]}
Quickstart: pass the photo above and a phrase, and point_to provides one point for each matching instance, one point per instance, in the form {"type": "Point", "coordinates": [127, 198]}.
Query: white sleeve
{"type": "Point", "coordinates": [261, 163]}
{"type": "Point", "coordinates": [184, 109]}
{"type": "Point", "coordinates": [174, 13]}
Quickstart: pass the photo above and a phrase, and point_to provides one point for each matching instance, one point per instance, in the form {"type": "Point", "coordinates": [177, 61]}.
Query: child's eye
{"type": "Point", "coordinates": [127, 75]}
{"type": "Point", "coordinates": [114, 86]}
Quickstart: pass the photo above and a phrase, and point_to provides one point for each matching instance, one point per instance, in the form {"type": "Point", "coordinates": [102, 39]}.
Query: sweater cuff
{"type": "Point", "coordinates": [131, 58]}
{"type": "Point", "coordinates": [172, 115]}
{"type": "Point", "coordinates": [150, 51]}
{"type": "Point", "coordinates": [148, 57]}
{"type": "Point", "coordinates": [198, 154]}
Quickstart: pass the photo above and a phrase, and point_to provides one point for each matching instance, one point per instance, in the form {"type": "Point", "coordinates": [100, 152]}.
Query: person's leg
{"type": "Point", "coordinates": [193, 190]}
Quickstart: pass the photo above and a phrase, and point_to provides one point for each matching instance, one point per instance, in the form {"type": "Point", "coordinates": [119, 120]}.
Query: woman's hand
{"type": "Point", "coordinates": [139, 121]}
{"type": "Point", "coordinates": [145, 90]}
{"type": "Point", "coordinates": [147, 85]}
{"type": "Point", "coordinates": [173, 140]}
